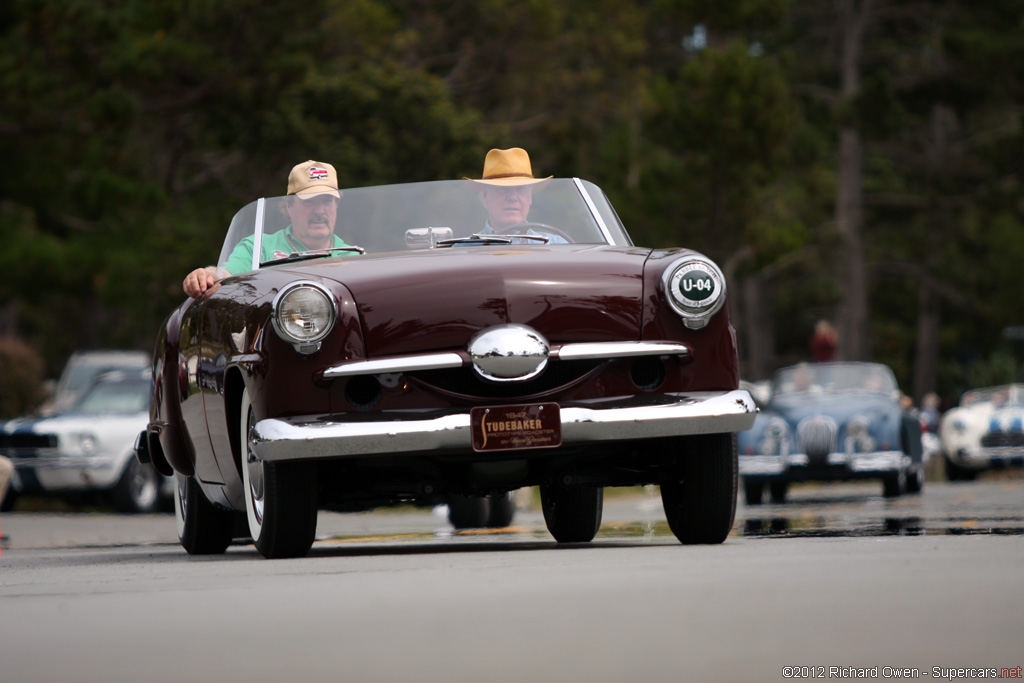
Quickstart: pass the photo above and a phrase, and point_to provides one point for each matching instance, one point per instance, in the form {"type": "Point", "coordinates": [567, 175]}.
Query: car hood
{"type": "Point", "coordinates": [440, 298]}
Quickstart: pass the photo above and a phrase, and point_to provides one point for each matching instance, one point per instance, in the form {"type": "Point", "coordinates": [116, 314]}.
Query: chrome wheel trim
{"type": "Point", "coordinates": [142, 487]}
{"type": "Point", "coordinates": [252, 473]}
{"type": "Point", "coordinates": [180, 504]}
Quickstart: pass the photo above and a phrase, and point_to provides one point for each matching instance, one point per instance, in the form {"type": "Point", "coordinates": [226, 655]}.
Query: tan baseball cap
{"type": "Point", "coordinates": [313, 178]}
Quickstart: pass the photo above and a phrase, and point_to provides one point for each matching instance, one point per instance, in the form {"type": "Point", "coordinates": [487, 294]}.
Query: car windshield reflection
{"type": "Point", "coordinates": [439, 214]}
{"type": "Point", "coordinates": [810, 378]}
{"type": "Point", "coordinates": [126, 397]}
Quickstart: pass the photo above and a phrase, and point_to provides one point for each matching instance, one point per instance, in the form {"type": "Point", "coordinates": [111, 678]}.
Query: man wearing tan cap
{"type": "Point", "coordinates": [506, 190]}
{"type": "Point", "coordinates": [312, 206]}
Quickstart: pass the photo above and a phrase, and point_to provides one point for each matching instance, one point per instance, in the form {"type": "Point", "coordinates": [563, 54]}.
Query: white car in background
{"type": "Point", "coordinates": [88, 451]}
{"type": "Point", "coordinates": [986, 431]}
{"type": "Point", "coordinates": [85, 366]}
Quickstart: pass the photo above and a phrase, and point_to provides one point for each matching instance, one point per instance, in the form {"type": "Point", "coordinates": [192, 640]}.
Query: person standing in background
{"type": "Point", "coordinates": [824, 342]}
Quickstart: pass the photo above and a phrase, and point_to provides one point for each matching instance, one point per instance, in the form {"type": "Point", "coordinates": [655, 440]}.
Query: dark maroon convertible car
{"type": "Point", "coordinates": [438, 358]}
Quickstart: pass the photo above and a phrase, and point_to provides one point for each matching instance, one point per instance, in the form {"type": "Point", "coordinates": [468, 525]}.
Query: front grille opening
{"type": "Point", "coordinates": [28, 440]}
{"type": "Point", "coordinates": [647, 373]}
{"type": "Point", "coordinates": [363, 392]}
{"type": "Point", "coordinates": [1003, 439]}
{"type": "Point", "coordinates": [465, 382]}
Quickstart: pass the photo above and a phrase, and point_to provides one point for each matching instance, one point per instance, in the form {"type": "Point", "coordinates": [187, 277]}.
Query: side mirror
{"type": "Point", "coordinates": [426, 238]}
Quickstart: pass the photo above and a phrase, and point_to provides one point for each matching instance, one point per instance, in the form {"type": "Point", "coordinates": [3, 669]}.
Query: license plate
{"type": "Point", "coordinates": [508, 428]}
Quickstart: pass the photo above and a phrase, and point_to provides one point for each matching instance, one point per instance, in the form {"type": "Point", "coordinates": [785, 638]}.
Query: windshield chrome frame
{"type": "Point", "coordinates": [593, 211]}
{"type": "Point", "coordinates": [257, 244]}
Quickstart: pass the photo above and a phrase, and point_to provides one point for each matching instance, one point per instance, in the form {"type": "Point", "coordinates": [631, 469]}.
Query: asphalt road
{"type": "Point", "coordinates": [836, 581]}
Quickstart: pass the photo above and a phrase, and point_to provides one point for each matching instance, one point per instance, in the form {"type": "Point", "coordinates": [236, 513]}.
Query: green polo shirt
{"type": "Point", "coordinates": [275, 245]}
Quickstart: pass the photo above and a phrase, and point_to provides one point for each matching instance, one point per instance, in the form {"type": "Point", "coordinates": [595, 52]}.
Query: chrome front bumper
{"type": "Point", "coordinates": [63, 462]}
{"type": "Point", "coordinates": [646, 417]}
{"type": "Point", "coordinates": [859, 463]}
{"type": "Point", "coordinates": [983, 456]}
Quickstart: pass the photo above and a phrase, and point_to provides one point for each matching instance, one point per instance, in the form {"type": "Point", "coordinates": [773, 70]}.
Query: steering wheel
{"type": "Point", "coordinates": [524, 228]}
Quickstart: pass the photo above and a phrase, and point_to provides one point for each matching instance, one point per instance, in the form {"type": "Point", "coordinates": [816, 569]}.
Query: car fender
{"type": "Point", "coordinates": [167, 428]}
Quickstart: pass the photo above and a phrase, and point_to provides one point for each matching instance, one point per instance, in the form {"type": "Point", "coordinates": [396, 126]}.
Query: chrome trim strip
{"type": "Point", "coordinates": [588, 350]}
{"type": "Point", "coordinates": [257, 244]}
{"type": "Point", "coordinates": [429, 361]}
{"type": "Point", "coordinates": [439, 361]}
{"type": "Point", "coordinates": [700, 412]}
{"type": "Point", "coordinates": [593, 210]}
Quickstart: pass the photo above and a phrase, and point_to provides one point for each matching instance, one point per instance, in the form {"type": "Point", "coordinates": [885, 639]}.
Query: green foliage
{"type": "Point", "coordinates": [723, 117]}
{"type": "Point", "coordinates": [131, 132]}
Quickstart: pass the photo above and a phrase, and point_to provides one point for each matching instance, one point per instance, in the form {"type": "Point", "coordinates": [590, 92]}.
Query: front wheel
{"type": "Point", "coordinates": [280, 498]}
{"type": "Point", "coordinates": [503, 510]}
{"type": "Point", "coordinates": [915, 479]}
{"type": "Point", "coordinates": [753, 491]}
{"type": "Point", "coordinates": [955, 472]}
{"type": "Point", "coordinates": [894, 485]}
{"type": "Point", "coordinates": [138, 489]}
{"type": "Point", "coordinates": [203, 528]}
{"type": "Point", "coordinates": [778, 491]}
{"type": "Point", "coordinates": [467, 512]}
{"type": "Point", "coordinates": [698, 487]}
{"type": "Point", "coordinates": [572, 513]}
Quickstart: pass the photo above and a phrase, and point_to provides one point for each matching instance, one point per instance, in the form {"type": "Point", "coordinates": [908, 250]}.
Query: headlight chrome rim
{"type": "Point", "coordinates": [695, 289]}
{"type": "Point", "coordinates": [321, 326]}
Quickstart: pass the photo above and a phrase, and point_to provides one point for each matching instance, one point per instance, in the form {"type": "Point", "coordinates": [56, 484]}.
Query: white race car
{"type": "Point", "coordinates": [88, 450]}
{"type": "Point", "coordinates": [985, 432]}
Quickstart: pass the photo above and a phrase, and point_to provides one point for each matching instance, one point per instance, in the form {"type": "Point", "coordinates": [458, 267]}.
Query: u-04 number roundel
{"type": "Point", "coordinates": [695, 289]}
{"type": "Point", "coordinates": [695, 285]}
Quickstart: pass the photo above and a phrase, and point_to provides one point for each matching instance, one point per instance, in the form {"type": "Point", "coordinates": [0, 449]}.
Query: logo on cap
{"type": "Point", "coordinates": [317, 173]}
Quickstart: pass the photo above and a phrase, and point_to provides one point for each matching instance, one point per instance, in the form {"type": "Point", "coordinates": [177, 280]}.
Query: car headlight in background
{"type": "Point", "coordinates": [87, 443]}
{"type": "Point", "coordinates": [304, 313]}
{"type": "Point", "coordinates": [695, 289]}
{"type": "Point", "coordinates": [858, 436]}
{"type": "Point", "coordinates": [775, 440]}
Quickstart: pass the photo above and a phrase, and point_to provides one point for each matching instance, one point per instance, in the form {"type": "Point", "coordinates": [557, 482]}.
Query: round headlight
{"type": "Point", "coordinates": [87, 442]}
{"type": "Point", "coordinates": [695, 289]}
{"type": "Point", "coordinates": [304, 313]}
{"type": "Point", "coordinates": [858, 428]}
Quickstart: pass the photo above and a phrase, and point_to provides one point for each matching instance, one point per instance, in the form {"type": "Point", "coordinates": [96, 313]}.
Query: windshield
{"type": "Point", "coordinates": [808, 378]}
{"type": "Point", "coordinates": [123, 397]}
{"type": "Point", "coordinates": [377, 219]}
{"type": "Point", "coordinates": [1005, 395]}
{"type": "Point", "coordinates": [82, 369]}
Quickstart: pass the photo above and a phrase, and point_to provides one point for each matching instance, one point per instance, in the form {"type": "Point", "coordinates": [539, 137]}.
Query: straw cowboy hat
{"type": "Point", "coordinates": [312, 178]}
{"type": "Point", "coordinates": [508, 167]}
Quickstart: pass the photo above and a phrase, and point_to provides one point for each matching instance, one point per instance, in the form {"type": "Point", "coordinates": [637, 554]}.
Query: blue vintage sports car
{"type": "Point", "coordinates": [830, 422]}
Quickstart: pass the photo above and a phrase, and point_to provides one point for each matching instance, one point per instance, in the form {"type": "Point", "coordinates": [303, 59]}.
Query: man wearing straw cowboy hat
{"type": "Point", "coordinates": [313, 210]}
{"type": "Point", "coordinates": [506, 190]}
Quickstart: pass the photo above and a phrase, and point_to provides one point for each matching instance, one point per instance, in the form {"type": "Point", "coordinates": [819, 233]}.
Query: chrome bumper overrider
{"type": "Point", "coordinates": [637, 418]}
